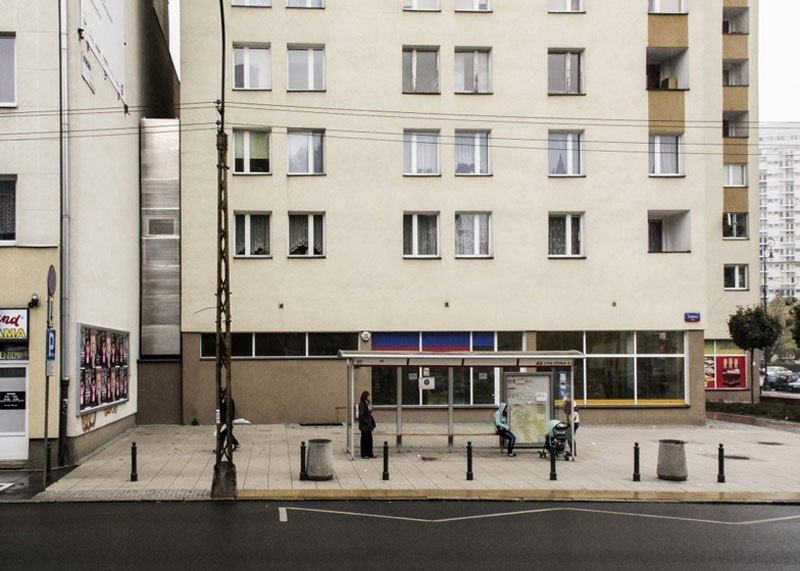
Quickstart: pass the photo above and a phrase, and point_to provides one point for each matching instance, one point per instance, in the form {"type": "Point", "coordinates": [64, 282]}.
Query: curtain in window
{"type": "Point", "coordinates": [574, 81]}
{"type": "Point", "coordinates": [318, 156]}
{"type": "Point", "coordinates": [558, 153]}
{"type": "Point", "coordinates": [319, 69]}
{"type": "Point", "coordinates": [427, 153]}
{"type": "Point", "coordinates": [238, 151]}
{"type": "Point", "coordinates": [318, 235]}
{"type": "Point", "coordinates": [483, 141]}
{"type": "Point", "coordinates": [298, 152]}
{"type": "Point", "coordinates": [427, 72]}
{"type": "Point", "coordinates": [652, 154]}
{"type": "Point", "coordinates": [482, 61]}
{"type": "Point", "coordinates": [730, 276]}
{"type": "Point", "coordinates": [259, 235]}
{"type": "Point", "coordinates": [427, 235]}
{"type": "Point", "coordinates": [259, 151]}
{"type": "Point", "coordinates": [575, 223]}
{"type": "Point", "coordinates": [558, 235]}
{"type": "Point", "coordinates": [465, 74]}
{"type": "Point", "coordinates": [465, 234]}
{"type": "Point", "coordinates": [238, 67]}
{"type": "Point", "coordinates": [259, 68]}
{"type": "Point", "coordinates": [240, 244]}
{"type": "Point", "coordinates": [298, 234]}
{"type": "Point", "coordinates": [7, 71]}
{"type": "Point", "coordinates": [298, 69]}
{"type": "Point", "coordinates": [669, 154]}
{"type": "Point", "coordinates": [408, 235]}
{"type": "Point", "coordinates": [408, 73]}
{"type": "Point", "coordinates": [465, 153]}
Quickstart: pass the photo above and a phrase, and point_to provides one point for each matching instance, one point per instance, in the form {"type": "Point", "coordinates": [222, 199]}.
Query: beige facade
{"type": "Point", "coordinates": [363, 282]}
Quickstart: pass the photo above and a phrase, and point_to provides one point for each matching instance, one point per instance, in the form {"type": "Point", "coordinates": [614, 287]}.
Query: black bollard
{"type": "Point", "coordinates": [303, 475]}
{"type": "Point", "coordinates": [553, 475]}
{"type": "Point", "coordinates": [721, 457]}
{"type": "Point", "coordinates": [134, 473]}
{"type": "Point", "coordinates": [385, 460]}
{"type": "Point", "coordinates": [637, 477]}
{"type": "Point", "coordinates": [470, 475]}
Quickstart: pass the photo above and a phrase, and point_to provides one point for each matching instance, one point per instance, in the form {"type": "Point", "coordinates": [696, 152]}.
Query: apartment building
{"type": "Point", "coordinates": [75, 80]}
{"type": "Point", "coordinates": [779, 172]}
{"type": "Point", "coordinates": [473, 175]}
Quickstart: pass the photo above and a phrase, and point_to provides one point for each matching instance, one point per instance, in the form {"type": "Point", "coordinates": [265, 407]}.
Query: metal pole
{"type": "Point", "coordinates": [450, 409]}
{"type": "Point", "coordinates": [399, 410]}
{"type": "Point", "coordinates": [385, 460]}
{"type": "Point", "coordinates": [134, 473]}
{"type": "Point", "coordinates": [637, 477]}
{"type": "Point", "coordinates": [574, 404]}
{"type": "Point", "coordinates": [721, 460]}
{"type": "Point", "coordinates": [470, 475]}
{"type": "Point", "coordinates": [351, 444]}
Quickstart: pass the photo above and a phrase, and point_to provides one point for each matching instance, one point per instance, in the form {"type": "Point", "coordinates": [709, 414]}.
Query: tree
{"type": "Point", "coordinates": [794, 320]}
{"type": "Point", "coordinates": [753, 328]}
{"type": "Point", "coordinates": [782, 308]}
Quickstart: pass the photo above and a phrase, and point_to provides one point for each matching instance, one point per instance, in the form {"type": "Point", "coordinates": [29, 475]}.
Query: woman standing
{"type": "Point", "coordinates": [366, 424]}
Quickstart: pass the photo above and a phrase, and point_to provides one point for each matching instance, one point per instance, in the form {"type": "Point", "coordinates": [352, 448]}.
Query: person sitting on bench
{"type": "Point", "coordinates": [503, 429]}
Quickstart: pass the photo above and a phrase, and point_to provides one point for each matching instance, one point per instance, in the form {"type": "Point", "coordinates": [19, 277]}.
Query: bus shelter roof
{"type": "Point", "coordinates": [461, 358]}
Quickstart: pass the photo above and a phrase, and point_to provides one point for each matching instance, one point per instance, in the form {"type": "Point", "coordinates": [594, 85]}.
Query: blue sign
{"type": "Point", "coordinates": [51, 344]}
{"type": "Point", "coordinates": [691, 317]}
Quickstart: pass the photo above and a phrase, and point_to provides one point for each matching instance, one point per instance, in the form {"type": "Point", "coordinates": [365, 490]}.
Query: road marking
{"type": "Point", "coordinates": [4, 487]}
{"type": "Point", "coordinates": [283, 516]}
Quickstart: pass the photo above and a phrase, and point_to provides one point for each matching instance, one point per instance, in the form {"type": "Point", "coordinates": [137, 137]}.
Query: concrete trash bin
{"type": "Point", "coordinates": [672, 460]}
{"type": "Point", "coordinates": [319, 464]}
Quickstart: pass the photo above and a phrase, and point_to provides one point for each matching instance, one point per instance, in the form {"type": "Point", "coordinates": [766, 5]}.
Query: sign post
{"type": "Point", "coordinates": [50, 357]}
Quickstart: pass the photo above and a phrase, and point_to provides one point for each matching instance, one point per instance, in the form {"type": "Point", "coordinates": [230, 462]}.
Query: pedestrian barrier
{"type": "Point", "coordinates": [134, 473]}
{"type": "Point", "coordinates": [470, 475]}
{"type": "Point", "coordinates": [721, 461]}
{"type": "Point", "coordinates": [385, 460]}
{"type": "Point", "coordinates": [303, 474]}
{"type": "Point", "coordinates": [637, 477]}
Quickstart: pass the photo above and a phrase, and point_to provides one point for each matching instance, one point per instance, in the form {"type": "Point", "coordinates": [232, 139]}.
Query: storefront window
{"type": "Point", "coordinates": [660, 378]}
{"type": "Point", "coordinates": [610, 379]}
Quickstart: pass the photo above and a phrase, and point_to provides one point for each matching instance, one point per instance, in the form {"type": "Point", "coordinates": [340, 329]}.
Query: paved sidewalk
{"type": "Point", "coordinates": [175, 463]}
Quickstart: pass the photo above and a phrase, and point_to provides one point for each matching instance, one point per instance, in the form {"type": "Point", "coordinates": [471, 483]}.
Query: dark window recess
{"type": "Point", "coordinates": [384, 385]}
{"type": "Point", "coordinates": [242, 345]}
{"type": "Point", "coordinates": [509, 341]}
{"type": "Point", "coordinates": [329, 344]}
{"type": "Point", "coordinates": [161, 227]}
{"type": "Point", "coordinates": [208, 345]}
{"type": "Point", "coordinates": [280, 344]}
{"type": "Point", "coordinates": [655, 236]}
{"type": "Point", "coordinates": [559, 341]}
{"type": "Point", "coordinates": [483, 341]}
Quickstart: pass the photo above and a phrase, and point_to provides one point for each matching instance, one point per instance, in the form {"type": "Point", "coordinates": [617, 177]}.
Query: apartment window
{"type": "Point", "coordinates": [564, 72]}
{"type": "Point", "coordinates": [420, 70]}
{"type": "Point", "coordinates": [306, 235]}
{"type": "Point", "coordinates": [473, 5]}
{"type": "Point", "coordinates": [306, 69]}
{"type": "Point", "coordinates": [668, 231]}
{"type": "Point", "coordinates": [420, 235]}
{"type": "Point", "coordinates": [8, 79]}
{"type": "Point", "coordinates": [472, 152]}
{"type": "Point", "coordinates": [565, 6]}
{"type": "Point", "coordinates": [305, 3]}
{"type": "Point", "coordinates": [421, 5]}
{"type": "Point", "coordinates": [666, 6]}
{"type": "Point", "coordinates": [252, 3]}
{"type": "Point", "coordinates": [735, 276]}
{"type": "Point", "coordinates": [735, 174]}
{"type": "Point", "coordinates": [566, 235]}
{"type": "Point", "coordinates": [734, 225]}
{"type": "Point", "coordinates": [735, 124]}
{"type": "Point", "coordinates": [473, 234]}
{"type": "Point", "coordinates": [252, 234]}
{"type": "Point", "coordinates": [472, 73]}
{"type": "Point", "coordinates": [664, 151]}
{"type": "Point", "coordinates": [305, 152]}
{"type": "Point", "coordinates": [251, 152]}
{"type": "Point", "coordinates": [251, 67]}
{"type": "Point", "coordinates": [421, 152]}
{"type": "Point", "coordinates": [8, 210]}
{"type": "Point", "coordinates": [735, 20]}
{"type": "Point", "coordinates": [564, 152]}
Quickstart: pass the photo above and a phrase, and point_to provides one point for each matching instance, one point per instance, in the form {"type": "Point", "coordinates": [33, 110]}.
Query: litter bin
{"type": "Point", "coordinates": [319, 465]}
{"type": "Point", "coordinates": [672, 460]}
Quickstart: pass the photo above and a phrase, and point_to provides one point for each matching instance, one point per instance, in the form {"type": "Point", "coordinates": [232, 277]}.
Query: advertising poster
{"type": "Point", "coordinates": [710, 374]}
{"type": "Point", "coordinates": [14, 335]}
{"type": "Point", "coordinates": [104, 378]}
{"type": "Point", "coordinates": [731, 372]}
{"type": "Point", "coordinates": [528, 397]}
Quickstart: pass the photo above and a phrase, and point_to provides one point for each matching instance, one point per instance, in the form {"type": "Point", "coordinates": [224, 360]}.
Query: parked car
{"type": "Point", "coordinates": [778, 370]}
{"type": "Point", "coordinates": [776, 382]}
{"type": "Point", "coordinates": [794, 386]}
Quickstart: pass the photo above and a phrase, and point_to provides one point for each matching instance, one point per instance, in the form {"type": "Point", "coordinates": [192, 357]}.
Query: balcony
{"type": "Point", "coordinates": [668, 30]}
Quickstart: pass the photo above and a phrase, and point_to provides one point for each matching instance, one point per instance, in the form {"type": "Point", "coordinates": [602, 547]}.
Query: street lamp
{"type": "Point", "coordinates": [766, 253]}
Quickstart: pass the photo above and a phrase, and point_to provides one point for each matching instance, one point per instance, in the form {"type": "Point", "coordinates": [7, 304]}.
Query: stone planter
{"type": "Point", "coordinates": [672, 460]}
{"type": "Point", "coordinates": [319, 465]}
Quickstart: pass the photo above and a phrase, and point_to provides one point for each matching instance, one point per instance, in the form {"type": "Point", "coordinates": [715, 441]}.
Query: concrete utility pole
{"type": "Point", "coordinates": [224, 483]}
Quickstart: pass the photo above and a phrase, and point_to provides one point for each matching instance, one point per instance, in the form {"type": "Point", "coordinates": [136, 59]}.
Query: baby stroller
{"type": "Point", "coordinates": [555, 439]}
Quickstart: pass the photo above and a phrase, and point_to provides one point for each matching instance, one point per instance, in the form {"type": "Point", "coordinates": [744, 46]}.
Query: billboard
{"type": "Point", "coordinates": [725, 372]}
{"type": "Point", "coordinates": [104, 378]}
{"type": "Point", "coordinates": [103, 24]}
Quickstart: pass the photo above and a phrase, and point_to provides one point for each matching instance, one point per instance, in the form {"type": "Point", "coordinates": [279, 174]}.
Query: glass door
{"type": "Point", "coordinates": [13, 413]}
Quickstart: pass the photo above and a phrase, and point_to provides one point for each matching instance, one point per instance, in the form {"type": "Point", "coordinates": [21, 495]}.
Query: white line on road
{"type": "Point", "coordinates": [4, 487]}
{"type": "Point", "coordinates": [283, 516]}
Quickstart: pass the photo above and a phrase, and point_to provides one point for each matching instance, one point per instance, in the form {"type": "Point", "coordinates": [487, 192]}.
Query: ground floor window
{"type": "Point", "coordinates": [282, 345]}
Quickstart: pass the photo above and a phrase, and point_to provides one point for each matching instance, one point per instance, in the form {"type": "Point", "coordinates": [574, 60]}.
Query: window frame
{"type": "Point", "coordinates": [306, 5]}
{"type": "Point", "coordinates": [475, 6]}
{"type": "Point", "coordinates": [413, 6]}
{"type": "Point", "coordinates": [729, 220]}
{"type": "Point", "coordinates": [414, 50]}
{"type": "Point", "coordinates": [568, 216]}
{"type": "Point", "coordinates": [567, 52]}
{"type": "Point", "coordinates": [566, 7]}
{"type": "Point", "coordinates": [571, 141]}
{"type": "Point", "coordinates": [247, 234]}
{"type": "Point", "coordinates": [656, 140]}
{"type": "Point", "coordinates": [310, 133]}
{"type": "Point", "coordinates": [246, 58]}
{"type": "Point", "coordinates": [741, 274]}
{"type": "Point", "coordinates": [310, 77]}
{"type": "Point", "coordinates": [476, 151]}
{"type": "Point", "coordinates": [730, 169]}
{"type": "Point", "coordinates": [309, 236]}
{"type": "Point", "coordinates": [13, 180]}
{"type": "Point", "coordinates": [413, 133]}
{"type": "Point", "coordinates": [415, 235]}
{"type": "Point", "coordinates": [654, 7]}
{"type": "Point", "coordinates": [476, 235]}
{"type": "Point", "coordinates": [247, 4]}
{"type": "Point", "coordinates": [14, 72]}
{"type": "Point", "coordinates": [475, 70]}
{"type": "Point", "coordinates": [246, 149]}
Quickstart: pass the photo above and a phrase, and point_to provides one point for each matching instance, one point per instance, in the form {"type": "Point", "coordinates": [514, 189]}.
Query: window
{"type": "Point", "coordinates": [564, 73]}
{"type": "Point", "coordinates": [666, 6]}
{"type": "Point", "coordinates": [565, 6]}
{"type": "Point", "coordinates": [421, 5]}
{"type": "Point", "coordinates": [735, 174]}
{"type": "Point", "coordinates": [564, 151]}
{"type": "Point", "coordinates": [282, 345]}
{"type": "Point", "coordinates": [735, 20]}
{"type": "Point", "coordinates": [473, 5]}
{"type": "Point", "coordinates": [472, 73]}
{"type": "Point", "coordinates": [735, 276]}
{"type": "Point", "coordinates": [306, 69]}
{"type": "Point", "coordinates": [473, 234]}
{"type": "Point", "coordinates": [734, 225]}
{"type": "Point", "coordinates": [250, 152]}
{"type": "Point", "coordinates": [305, 3]}
{"type": "Point", "coordinates": [735, 124]}
{"type": "Point", "coordinates": [420, 70]}
{"type": "Point", "coordinates": [472, 152]}
{"type": "Point", "coordinates": [253, 3]}
{"type": "Point", "coordinates": [566, 235]}
{"type": "Point", "coordinates": [251, 67]}
{"type": "Point", "coordinates": [252, 234]}
{"type": "Point", "coordinates": [665, 159]}
{"type": "Point", "coordinates": [668, 231]}
{"type": "Point", "coordinates": [8, 64]}
{"type": "Point", "coordinates": [421, 152]}
{"type": "Point", "coordinates": [8, 210]}
{"type": "Point", "coordinates": [420, 235]}
{"type": "Point", "coordinates": [305, 152]}
{"type": "Point", "coordinates": [304, 230]}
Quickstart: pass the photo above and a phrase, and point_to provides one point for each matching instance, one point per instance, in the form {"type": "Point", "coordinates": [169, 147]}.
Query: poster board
{"type": "Point", "coordinates": [530, 405]}
{"type": "Point", "coordinates": [104, 379]}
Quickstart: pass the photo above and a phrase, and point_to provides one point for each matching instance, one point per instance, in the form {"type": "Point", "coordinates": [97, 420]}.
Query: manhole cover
{"type": "Point", "coordinates": [772, 443]}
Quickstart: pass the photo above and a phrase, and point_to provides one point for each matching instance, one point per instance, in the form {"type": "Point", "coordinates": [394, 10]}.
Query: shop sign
{"type": "Point", "coordinates": [12, 400]}
{"type": "Point", "coordinates": [13, 324]}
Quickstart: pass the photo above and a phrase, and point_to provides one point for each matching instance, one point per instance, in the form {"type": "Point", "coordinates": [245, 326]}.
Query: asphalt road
{"type": "Point", "coordinates": [398, 535]}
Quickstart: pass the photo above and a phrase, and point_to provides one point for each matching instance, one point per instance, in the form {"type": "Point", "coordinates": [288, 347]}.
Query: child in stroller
{"type": "Point", "coordinates": [555, 439]}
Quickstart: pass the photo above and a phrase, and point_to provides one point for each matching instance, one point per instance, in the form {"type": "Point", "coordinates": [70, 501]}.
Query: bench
{"type": "Point", "coordinates": [450, 435]}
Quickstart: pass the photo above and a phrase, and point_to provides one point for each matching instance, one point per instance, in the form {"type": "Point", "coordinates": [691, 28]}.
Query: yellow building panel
{"type": "Point", "coordinates": [734, 150]}
{"type": "Point", "coordinates": [735, 200]}
{"type": "Point", "coordinates": [667, 111]}
{"type": "Point", "coordinates": [734, 46]}
{"type": "Point", "coordinates": [668, 30]}
{"type": "Point", "coordinates": [735, 98]}
{"type": "Point", "coordinates": [735, 3]}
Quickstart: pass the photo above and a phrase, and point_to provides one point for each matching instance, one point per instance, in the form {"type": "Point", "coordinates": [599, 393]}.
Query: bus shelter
{"type": "Point", "coordinates": [456, 359]}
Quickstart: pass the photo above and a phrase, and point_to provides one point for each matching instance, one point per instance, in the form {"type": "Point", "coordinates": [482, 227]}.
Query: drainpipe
{"type": "Point", "coordinates": [64, 245]}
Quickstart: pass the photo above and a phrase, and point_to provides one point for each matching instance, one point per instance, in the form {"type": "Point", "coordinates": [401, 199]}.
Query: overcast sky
{"type": "Point", "coordinates": [779, 49]}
